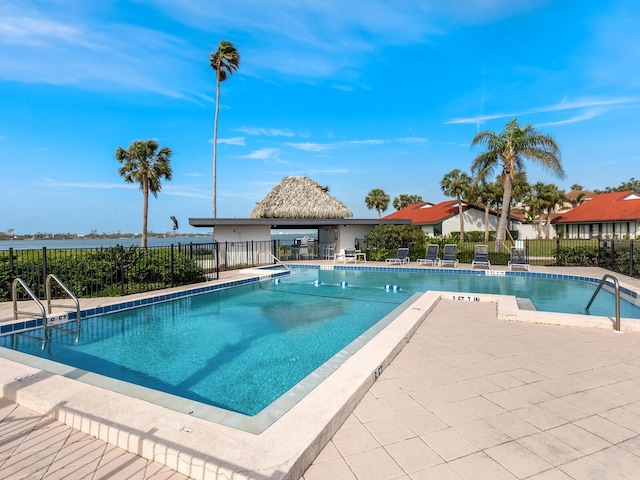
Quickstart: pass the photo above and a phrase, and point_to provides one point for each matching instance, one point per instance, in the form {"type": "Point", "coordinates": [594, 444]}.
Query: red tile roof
{"type": "Point", "coordinates": [586, 195]}
{"type": "Point", "coordinates": [426, 213]}
{"type": "Point", "coordinates": [606, 207]}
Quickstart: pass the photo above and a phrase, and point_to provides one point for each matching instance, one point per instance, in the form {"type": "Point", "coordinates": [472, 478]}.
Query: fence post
{"type": "Point", "coordinates": [557, 250]}
{"type": "Point", "coordinates": [613, 254]}
{"type": "Point", "coordinates": [216, 249]}
{"type": "Point", "coordinates": [172, 264]}
{"type": "Point", "coordinates": [11, 267]}
{"type": "Point", "coordinates": [121, 266]}
{"type": "Point", "coordinates": [631, 258]}
{"type": "Point", "coordinates": [44, 271]}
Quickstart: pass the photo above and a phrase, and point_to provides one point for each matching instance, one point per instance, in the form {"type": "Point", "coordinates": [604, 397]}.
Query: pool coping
{"type": "Point", "coordinates": [192, 445]}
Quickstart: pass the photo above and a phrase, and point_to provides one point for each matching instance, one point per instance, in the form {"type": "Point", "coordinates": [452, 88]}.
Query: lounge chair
{"type": "Point", "coordinates": [518, 259]}
{"type": "Point", "coordinates": [346, 255]}
{"type": "Point", "coordinates": [481, 256]}
{"type": "Point", "coordinates": [430, 256]}
{"type": "Point", "coordinates": [449, 255]}
{"type": "Point", "coordinates": [402, 256]}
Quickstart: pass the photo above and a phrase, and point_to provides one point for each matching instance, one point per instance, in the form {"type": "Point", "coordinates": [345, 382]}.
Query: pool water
{"type": "Point", "coordinates": [547, 294]}
{"type": "Point", "coordinates": [242, 348]}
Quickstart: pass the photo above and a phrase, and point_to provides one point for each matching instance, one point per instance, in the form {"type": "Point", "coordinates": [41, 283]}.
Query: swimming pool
{"type": "Point", "coordinates": [207, 348]}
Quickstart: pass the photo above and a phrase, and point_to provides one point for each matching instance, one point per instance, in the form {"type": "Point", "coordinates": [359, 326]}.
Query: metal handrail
{"type": "Point", "coordinates": [50, 277]}
{"type": "Point", "coordinates": [616, 287]}
{"type": "Point", "coordinates": [276, 259]}
{"type": "Point", "coordinates": [14, 295]}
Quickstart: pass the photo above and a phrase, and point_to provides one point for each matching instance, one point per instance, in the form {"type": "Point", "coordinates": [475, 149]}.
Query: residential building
{"type": "Point", "coordinates": [608, 215]}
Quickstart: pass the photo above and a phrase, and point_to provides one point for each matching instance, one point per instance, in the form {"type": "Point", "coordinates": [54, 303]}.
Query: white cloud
{"type": "Point", "coordinates": [563, 105]}
{"type": "Point", "coordinates": [412, 140]}
{"type": "Point", "coordinates": [232, 141]}
{"type": "Point", "coordinates": [269, 132]}
{"type": "Point", "coordinates": [264, 154]}
{"type": "Point", "coordinates": [323, 147]}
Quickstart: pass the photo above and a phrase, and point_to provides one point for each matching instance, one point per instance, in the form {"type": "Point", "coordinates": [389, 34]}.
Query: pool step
{"type": "Point", "coordinates": [525, 304]}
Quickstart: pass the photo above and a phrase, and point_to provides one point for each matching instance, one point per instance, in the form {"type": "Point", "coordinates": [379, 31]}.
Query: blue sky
{"type": "Point", "coordinates": [356, 95]}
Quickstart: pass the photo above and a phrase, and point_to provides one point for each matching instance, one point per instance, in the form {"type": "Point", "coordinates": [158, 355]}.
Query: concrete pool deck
{"type": "Point", "coordinates": [470, 395]}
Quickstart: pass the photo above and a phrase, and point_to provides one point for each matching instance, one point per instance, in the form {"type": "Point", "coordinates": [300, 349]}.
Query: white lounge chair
{"type": "Point", "coordinates": [449, 255]}
{"type": "Point", "coordinates": [346, 255]}
{"type": "Point", "coordinates": [431, 255]}
{"type": "Point", "coordinates": [402, 256]}
{"type": "Point", "coordinates": [481, 256]}
{"type": "Point", "coordinates": [518, 259]}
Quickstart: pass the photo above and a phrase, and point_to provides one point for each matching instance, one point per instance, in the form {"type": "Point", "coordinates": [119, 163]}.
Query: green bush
{"type": "Point", "coordinates": [582, 256]}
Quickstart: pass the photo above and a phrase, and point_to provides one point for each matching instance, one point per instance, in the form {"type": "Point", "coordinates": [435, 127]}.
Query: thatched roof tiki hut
{"type": "Point", "coordinates": [300, 198]}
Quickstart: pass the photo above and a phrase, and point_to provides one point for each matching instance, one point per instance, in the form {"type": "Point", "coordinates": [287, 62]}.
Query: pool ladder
{"type": "Point", "coordinates": [43, 314]}
{"type": "Point", "coordinates": [616, 287]}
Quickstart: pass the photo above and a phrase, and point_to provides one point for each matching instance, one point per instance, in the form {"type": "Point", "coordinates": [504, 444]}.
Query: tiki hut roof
{"type": "Point", "coordinates": [300, 197]}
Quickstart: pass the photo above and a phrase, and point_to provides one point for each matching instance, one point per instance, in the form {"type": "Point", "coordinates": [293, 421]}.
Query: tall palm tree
{"type": "Point", "coordinates": [378, 200]}
{"type": "Point", "coordinates": [147, 165]}
{"type": "Point", "coordinates": [456, 184]}
{"type": "Point", "coordinates": [224, 61]}
{"type": "Point", "coordinates": [508, 150]}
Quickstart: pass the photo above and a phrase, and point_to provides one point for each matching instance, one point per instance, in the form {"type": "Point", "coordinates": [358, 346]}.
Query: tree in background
{"type": "Point", "coordinates": [456, 184]}
{"type": "Point", "coordinates": [507, 150]}
{"type": "Point", "coordinates": [377, 200]}
{"type": "Point", "coordinates": [224, 61]}
{"type": "Point", "coordinates": [403, 200]}
{"type": "Point", "coordinates": [144, 163]}
{"type": "Point", "coordinates": [632, 184]}
{"type": "Point", "coordinates": [486, 195]}
{"type": "Point", "coordinates": [577, 186]}
{"type": "Point", "coordinates": [554, 197]}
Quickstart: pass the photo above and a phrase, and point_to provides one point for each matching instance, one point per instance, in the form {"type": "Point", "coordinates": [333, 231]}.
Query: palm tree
{"type": "Point", "coordinates": [554, 197]}
{"type": "Point", "coordinates": [485, 194]}
{"type": "Point", "coordinates": [224, 61]}
{"type": "Point", "coordinates": [456, 184]}
{"type": "Point", "coordinates": [143, 163]}
{"type": "Point", "coordinates": [508, 150]}
{"type": "Point", "coordinates": [537, 203]}
{"type": "Point", "coordinates": [403, 200]}
{"type": "Point", "coordinates": [378, 200]}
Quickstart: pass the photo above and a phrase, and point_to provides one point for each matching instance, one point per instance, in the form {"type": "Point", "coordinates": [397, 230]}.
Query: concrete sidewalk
{"type": "Point", "coordinates": [473, 397]}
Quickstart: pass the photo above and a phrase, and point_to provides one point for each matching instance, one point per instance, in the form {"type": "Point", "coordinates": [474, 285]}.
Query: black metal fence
{"type": "Point", "coordinates": [114, 271]}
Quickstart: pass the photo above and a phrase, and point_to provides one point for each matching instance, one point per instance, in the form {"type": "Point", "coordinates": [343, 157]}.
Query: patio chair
{"type": "Point", "coordinates": [346, 255]}
{"type": "Point", "coordinates": [481, 256]}
{"type": "Point", "coordinates": [449, 255]}
{"type": "Point", "coordinates": [430, 256]}
{"type": "Point", "coordinates": [518, 259]}
{"type": "Point", "coordinates": [402, 256]}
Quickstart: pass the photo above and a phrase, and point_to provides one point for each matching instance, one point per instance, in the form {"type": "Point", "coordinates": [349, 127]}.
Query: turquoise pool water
{"type": "Point", "coordinates": [242, 348]}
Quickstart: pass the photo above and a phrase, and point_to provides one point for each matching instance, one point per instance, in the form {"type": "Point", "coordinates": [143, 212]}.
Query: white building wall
{"type": "Point", "coordinates": [473, 221]}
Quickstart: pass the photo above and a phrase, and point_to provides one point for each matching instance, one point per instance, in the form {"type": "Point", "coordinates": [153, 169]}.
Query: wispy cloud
{"type": "Point", "coordinates": [232, 141]}
{"type": "Point", "coordinates": [173, 190]}
{"type": "Point", "coordinates": [412, 140]}
{"type": "Point", "coordinates": [334, 171]}
{"type": "Point", "coordinates": [589, 104]}
{"type": "Point", "coordinates": [269, 132]}
{"type": "Point", "coordinates": [264, 154]}
{"type": "Point", "coordinates": [323, 147]}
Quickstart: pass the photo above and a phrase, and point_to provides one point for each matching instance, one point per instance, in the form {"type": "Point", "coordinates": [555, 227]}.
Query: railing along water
{"type": "Point", "coordinates": [616, 287]}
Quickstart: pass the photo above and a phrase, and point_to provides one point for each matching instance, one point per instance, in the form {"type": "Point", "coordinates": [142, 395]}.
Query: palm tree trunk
{"type": "Point", "coordinates": [461, 219]}
{"type": "Point", "coordinates": [502, 225]}
{"type": "Point", "coordinates": [215, 144]}
{"type": "Point", "coordinates": [486, 224]}
{"type": "Point", "coordinates": [145, 210]}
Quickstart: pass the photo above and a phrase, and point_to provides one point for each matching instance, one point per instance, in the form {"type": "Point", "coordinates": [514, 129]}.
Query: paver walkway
{"type": "Point", "coordinates": [469, 397]}
{"type": "Point", "coordinates": [473, 397]}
